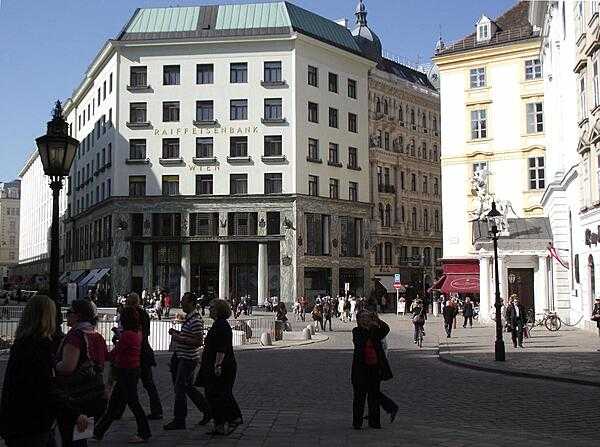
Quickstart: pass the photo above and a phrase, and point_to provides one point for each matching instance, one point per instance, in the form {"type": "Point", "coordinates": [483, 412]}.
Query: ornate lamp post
{"type": "Point", "coordinates": [57, 150]}
{"type": "Point", "coordinates": [495, 222]}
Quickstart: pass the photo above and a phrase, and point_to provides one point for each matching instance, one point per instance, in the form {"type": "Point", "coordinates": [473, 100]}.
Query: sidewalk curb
{"type": "Point", "coordinates": [445, 358]}
{"type": "Point", "coordinates": [283, 346]}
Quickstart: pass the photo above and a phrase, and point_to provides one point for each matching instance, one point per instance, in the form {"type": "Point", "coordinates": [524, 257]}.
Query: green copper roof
{"type": "Point", "coordinates": [258, 15]}
{"type": "Point", "coordinates": [160, 20]}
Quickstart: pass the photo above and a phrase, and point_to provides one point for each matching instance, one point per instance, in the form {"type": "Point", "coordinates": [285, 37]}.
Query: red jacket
{"type": "Point", "coordinates": [168, 301]}
{"type": "Point", "coordinates": [126, 353]}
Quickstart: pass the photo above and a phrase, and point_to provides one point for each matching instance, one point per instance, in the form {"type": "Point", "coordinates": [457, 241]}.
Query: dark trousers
{"type": "Point", "coordinates": [448, 327]}
{"type": "Point", "coordinates": [65, 428]}
{"type": "Point", "coordinates": [182, 374]}
{"type": "Point", "coordinates": [468, 319]}
{"type": "Point", "coordinates": [325, 323]}
{"type": "Point", "coordinates": [517, 334]}
{"type": "Point", "coordinates": [45, 439]}
{"type": "Point", "coordinates": [224, 407]}
{"type": "Point", "coordinates": [369, 391]}
{"type": "Point", "coordinates": [150, 387]}
{"type": "Point", "coordinates": [320, 321]}
{"type": "Point", "coordinates": [124, 393]}
{"type": "Point", "coordinates": [417, 326]}
{"type": "Point", "coordinates": [388, 405]}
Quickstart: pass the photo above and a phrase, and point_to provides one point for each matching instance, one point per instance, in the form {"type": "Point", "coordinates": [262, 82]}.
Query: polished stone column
{"type": "Point", "coordinates": [263, 273]}
{"type": "Point", "coordinates": [186, 274]}
{"type": "Point", "coordinates": [223, 271]}
{"type": "Point", "coordinates": [540, 287]}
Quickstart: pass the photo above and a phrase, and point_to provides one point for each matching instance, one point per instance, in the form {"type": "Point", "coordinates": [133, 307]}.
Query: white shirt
{"type": "Point", "coordinates": [516, 310]}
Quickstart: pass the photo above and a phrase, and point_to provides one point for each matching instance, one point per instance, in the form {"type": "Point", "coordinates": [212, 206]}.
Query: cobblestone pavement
{"type": "Point", "coordinates": [567, 355]}
{"type": "Point", "coordinates": [302, 397]}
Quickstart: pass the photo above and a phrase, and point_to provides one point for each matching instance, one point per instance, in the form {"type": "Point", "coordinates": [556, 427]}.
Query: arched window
{"type": "Point", "coordinates": [412, 116]}
{"type": "Point", "coordinates": [378, 105]}
{"type": "Point", "coordinates": [436, 220]}
{"type": "Point", "coordinates": [436, 186]}
{"type": "Point", "coordinates": [414, 219]}
{"type": "Point", "coordinates": [388, 215]}
{"type": "Point", "coordinates": [424, 121]}
{"type": "Point", "coordinates": [435, 153]}
{"type": "Point", "coordinates": [425, 184]}
{"type": "Point", "coordinates": [381, 217]}
{"type": "Point", "coordinates": [435, 124]}
{"type": "Point", "coordinates": [385, 106]}
{"type": "Point", "coordinates": [425, 220]}
{"type": "Point", "coordinates": [412, 147]}
{"type": "Point", "coordinates": [400, 114]}
{"type": "Point", "coordinates": [413, 182]}
{"type": "Point", "coordinates": [592, 273]}
{"type": "Point", "coordinates": [427, 256]}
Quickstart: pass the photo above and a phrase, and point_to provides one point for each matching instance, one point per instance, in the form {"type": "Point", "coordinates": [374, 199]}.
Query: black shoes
{"type": "Point", "coordinates": [393, 414]}
{"type": "Point", "coordinates": [174, 425]}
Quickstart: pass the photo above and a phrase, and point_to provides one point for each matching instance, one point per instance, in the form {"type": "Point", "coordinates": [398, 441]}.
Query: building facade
{"type": "Point", "coordinates": [493, 147]}
{"type": "Point", "coordinates": [9, 228]}
{"type": "Point", "coordinates": [222, 156]}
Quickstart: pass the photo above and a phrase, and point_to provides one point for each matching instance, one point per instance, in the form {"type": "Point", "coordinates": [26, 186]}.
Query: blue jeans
{"type": "Point", "coordinates": [182, 374]}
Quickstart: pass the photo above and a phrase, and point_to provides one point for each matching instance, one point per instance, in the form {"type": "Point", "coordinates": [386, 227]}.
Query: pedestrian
{"type": "Point", "coordinates": [303, 303]}
{"type": "Point", "coordinates": [596, 315]}
{"type": "Point", "coordinates": [352, 308]}
{"type": "Point", "coordinates": [218, 371]}
{"type": "Point", "coordinates": [449, 314]}
{"type": "Point", "coordinates": [516, 318]}
{"type": "Point", "coordinates": [168, 303]}
{"type": "Point", "coordinates": [401, 306]}
{"type": "Point", "coordinates": [468, 312]}
{"type": "Point", "coordinates": [281, 315]}
{"type": "Point", "coordinates": [27, 408]}
{"type": "Point", "coordinates": [369, 367]}
{"type": "Point", "coordinates": [317, 316]}
{"type": "Point", "coordinates": [158, 306]}
{"type": "Point", "coordinates": [346, 310]}
{"type": "Point", "coordinates": [297, 310]}
{"type": "Point", "coordinates": [327, 311]}
{"type": "Point", "coordinates": [418, 318]}
{"type": "Point", "coordinates": [187, 343]}
{"type": "Point", "coordinates": [82, 353]}
{"type": "Point", "coordinates": [126, 357]}
{"type": "Point", "coordinates": [147, 359]}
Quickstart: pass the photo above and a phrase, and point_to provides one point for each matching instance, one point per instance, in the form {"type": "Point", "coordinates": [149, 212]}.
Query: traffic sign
{"type": "Point", "coordinates": [397, 278]}
{"type": "Point", "coordinates": [397, 286]}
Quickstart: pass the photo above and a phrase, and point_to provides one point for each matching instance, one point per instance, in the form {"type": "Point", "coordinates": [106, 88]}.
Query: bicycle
{"type": "Point", "coordinates": [550, 320]}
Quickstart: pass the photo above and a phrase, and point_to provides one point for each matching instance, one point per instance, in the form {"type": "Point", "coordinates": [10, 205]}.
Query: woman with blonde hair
{"type": "Point", "coordinates": [27, 410]}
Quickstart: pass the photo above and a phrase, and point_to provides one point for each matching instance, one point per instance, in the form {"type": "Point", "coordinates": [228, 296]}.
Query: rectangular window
{"type": "Point", "coordinates": [272, 145]}
{"type": "Point", "coordinates": [313, 76]}
{"type": "Point", "coordinates": [596, 83]}
{"type": "Point", "coordinates": [204, 147]}
{"type": "Point", "coordinates": [313, 185]}
{"type": "Point", "coordinates": [333, 117]}
{"type": "Point", "coordinates": [204, 111]}
{"type": "Point", "coordinates": [536, 173]}
{"type": "Point", "coordinates": [333, 153]}
{"type": "Point", "coordinates": [352, 122]}
{"type": "Point", "coordinates": [351, 236]}
{"type": "Point", "coordinates": [313, 112]}
{"type": "Point", "coordinates": [352, 158]}
{"type": "Point", "coordinates": [238, 109]}
{"type": "Point", "coordinates": [273, 183]}
{"type": "Point", "coordinates": [137, 150]}
{"type": "Point", "coordinates": [351, 88]}
{"type": "Point", "coordinates": [477, 77]}
{"type": "Point", "coordinates": [99, 96]}
{"type": "Point", "coordinates": [333, 82]}
{"type": "Point", "coordinates": [238, 184]}
{"type": "Point", "coordinates": [478, 124]}
{"type": "Point", "coordinates": [171, 111]}
{"type": "Point", "coordinates": [137, 186]}
{"type": "Point", "coordinates": [204, 73]}
{"type": "Point", "coordinates": [313, 149]}
{"type": "Point", "coordinates": [104, 90]}
{"type": "Point", "coordinates": [273, 109]}
{"type": "Point", "coordinates": [533, 69]}
{"type": "Point", "coordinates": [204, 184]}
{"type": "Point", "coordinates": [238, 147]}
{"type": "Point", "coordinates": [238, 73]}
{"type": "Point", "coordinates": [170, 148]}
{"type": "Point", "coordinates": [535, 117]}
{"type": "Point", "coordinates": [171, 75]}
{"type": "Point", "coordinates": [334, 188]}
{"type": "Point", "coordinates": [170, 185]}
{"type": "Point", "coordinates": [272, 72]}
{"type": "Point", "coordinates": [137, 112]}
{"type": "Point", "coordinates": [480, 165]}
{"type": "Point", "coordinates": [138, 76]}
{"type": "Point", "coordinates": [582, 102]}
{"type": "Point", "coordinates": [110, 83]}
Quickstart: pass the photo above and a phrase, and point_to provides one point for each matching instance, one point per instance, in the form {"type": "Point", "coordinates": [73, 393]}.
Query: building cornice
{"type": "Point", "coordinates": [30, 160]}
{"type": "Point", "coordinates": [559, 185]}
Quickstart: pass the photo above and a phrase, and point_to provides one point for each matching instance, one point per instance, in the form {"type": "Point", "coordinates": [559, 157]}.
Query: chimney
{"type": "Point", "coordinates": [343, 21]}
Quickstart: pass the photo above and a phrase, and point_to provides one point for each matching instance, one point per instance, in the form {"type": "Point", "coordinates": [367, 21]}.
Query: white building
{"type": "Point", "coordinates": [205, 139]}
{"type": "Point", "coordinates": [492, 114]}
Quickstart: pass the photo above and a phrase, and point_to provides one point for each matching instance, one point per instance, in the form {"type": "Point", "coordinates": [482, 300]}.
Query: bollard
{"type": "Point", "coordinates": [311, 328]}
{"type": "Point", "coordinates": [265, 339]}
{"type": "Point", "coordinates": [306, 333]}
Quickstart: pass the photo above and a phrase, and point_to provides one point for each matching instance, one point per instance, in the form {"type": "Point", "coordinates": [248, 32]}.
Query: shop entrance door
{"type": "Point", "coordinates": [520, 282]}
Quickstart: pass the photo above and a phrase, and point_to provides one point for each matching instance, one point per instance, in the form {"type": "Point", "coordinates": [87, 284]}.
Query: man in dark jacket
{"type": "Point", "coordinates": [369, 367]}
{"type": "Point", "coordinates": [449, 313]}
{"type": "Point", "coordinates": [468, 312]}
{"type": "Point", "coordinates": [147, 360]}
{"type": "Point", "coordinates": [516, 318]}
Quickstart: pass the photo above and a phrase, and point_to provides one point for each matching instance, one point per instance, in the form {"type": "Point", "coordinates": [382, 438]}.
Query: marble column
{"type": "Point", "coordinates": [148, 267]}
{"type": "Point", "coordinates": [485, 293]}
{"type": "Point", "coordinates": [263, 273]}
{"type": "Point", "coordinates": [540, 287]}
{"type": "Point", "coordinates": [223, 271]}
{"type": "Point", "coordinates": [186, 267]}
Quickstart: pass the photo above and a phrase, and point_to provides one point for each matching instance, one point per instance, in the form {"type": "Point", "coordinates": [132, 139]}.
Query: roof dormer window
{"type": "Point", "coordinates": [484, 29]}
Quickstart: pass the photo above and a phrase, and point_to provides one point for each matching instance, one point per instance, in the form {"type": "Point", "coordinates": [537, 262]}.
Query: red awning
{"type": "Point", "coordinates": [460, 283]}
{"type": "Point", "coordinates": [437, 284]}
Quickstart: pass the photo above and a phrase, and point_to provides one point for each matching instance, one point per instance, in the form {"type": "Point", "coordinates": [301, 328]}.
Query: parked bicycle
{"type": "Point", "coordinates": [550, 320]}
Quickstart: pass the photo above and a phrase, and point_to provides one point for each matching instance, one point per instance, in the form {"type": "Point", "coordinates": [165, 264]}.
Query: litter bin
{"type": "Point", "coordinates": [279, 325]}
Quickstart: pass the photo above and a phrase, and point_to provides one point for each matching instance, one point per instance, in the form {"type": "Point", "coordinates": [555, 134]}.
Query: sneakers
{"type": "Point", "coordinates": [174, 425]}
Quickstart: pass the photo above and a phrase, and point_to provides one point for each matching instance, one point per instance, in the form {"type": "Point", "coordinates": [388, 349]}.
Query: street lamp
{"type": "Point", "coordinates": [57, 150]}
{"type": "Point", "coordinates": [495, 220]}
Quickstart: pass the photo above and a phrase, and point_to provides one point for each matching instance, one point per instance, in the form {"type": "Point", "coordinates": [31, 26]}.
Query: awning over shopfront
{"type": "Point", "coordinates": [387, 282]}
{"type": "Point", "coordinates": [72, 277]}
{"type": "Point", "coordinates": [97, 277]}
{"type": "Point", "coordinates": [89, 277]}
{"type": "Point", "coordinates": [460, 276]}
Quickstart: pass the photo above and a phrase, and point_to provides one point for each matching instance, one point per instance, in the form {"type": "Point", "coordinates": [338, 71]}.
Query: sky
{"type": "Point", "coordinates": [46, 45]}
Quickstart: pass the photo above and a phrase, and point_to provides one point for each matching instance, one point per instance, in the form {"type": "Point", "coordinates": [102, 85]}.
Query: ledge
{"type": "Point", "coordinates": [137, 161]}
{"type": "Point", "coordinates": [139, 88]}
{"type": "Point", "coordinates": [170, 161]}
{"type": "Point", "coordinates": [314, 160]}
{"type": "Point", "coordinates": [205, 161]}
{"type": "Point", "coordinates": [273, 158]}
{"type": "Point", "coordinates": [273, 84]}
{"type": "Point", "coordinates": [239, 160]}
{"type": "Point", "coordinates": [273, 120]}
{"type": "Point", "coordinates": [354, 168]}
{"type": "Point", "coordinates": [337, 164]}
{"type": "Point", "coordinates": [138, 125]}
{"type": "Point", "coordinates": [207, 123]}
